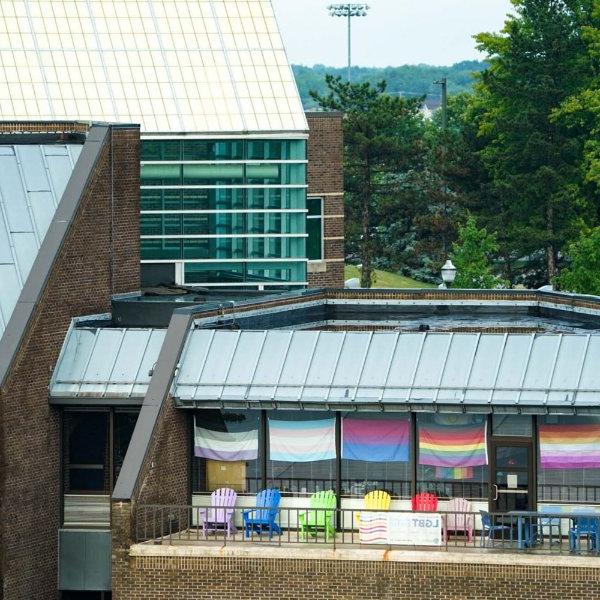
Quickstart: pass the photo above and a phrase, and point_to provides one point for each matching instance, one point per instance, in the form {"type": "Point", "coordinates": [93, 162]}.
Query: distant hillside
{"type": "Point", "coordinates": [409, 80]}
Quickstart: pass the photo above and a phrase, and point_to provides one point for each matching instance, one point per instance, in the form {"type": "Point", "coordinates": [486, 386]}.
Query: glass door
{"type": "Point", "coordinates": [512, 476]}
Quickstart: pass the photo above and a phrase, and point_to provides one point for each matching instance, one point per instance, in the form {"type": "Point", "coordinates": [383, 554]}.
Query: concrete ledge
{"type": "Point", "coordinates": [307, 552]}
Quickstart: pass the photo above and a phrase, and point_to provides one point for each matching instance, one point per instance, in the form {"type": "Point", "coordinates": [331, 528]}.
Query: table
{"type": "Point", "coordinates": [527, 537]}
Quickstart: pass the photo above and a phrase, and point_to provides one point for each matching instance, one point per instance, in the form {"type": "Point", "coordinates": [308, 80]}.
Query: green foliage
{"type": "Point", "coordinates": [383, 141]}
{"type": "Point", "coordinates": [471, 257]}
{"type": "Point", "coordinates": [536, 191]}
{"type": "Point", "coordinates": [408, 80]}
{"type": "Point", "coordinates": [582, 275]}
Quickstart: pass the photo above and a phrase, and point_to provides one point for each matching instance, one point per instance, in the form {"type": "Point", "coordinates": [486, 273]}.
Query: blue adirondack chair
{"type": "Point", "coordinates": [585, 526]}
{"type": "Point", "coordinates": [264, 515]}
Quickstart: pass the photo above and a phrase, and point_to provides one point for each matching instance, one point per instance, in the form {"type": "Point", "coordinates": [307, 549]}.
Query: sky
{"type": "Point", "coordinates": [395, 32]}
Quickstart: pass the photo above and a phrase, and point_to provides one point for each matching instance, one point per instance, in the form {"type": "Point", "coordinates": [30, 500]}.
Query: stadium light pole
{"type": "Point", "coordinates": [348, 10]}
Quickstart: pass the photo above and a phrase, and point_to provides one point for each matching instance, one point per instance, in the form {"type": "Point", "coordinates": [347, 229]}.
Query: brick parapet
{"type": "Point", "coordinates": [256, 578]}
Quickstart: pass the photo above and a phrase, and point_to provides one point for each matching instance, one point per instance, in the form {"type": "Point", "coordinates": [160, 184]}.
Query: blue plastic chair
{"type": "Point", "coordinates": [551, 523]}
{"type": "Point", "coordinates": [264, 516]}
{"type": "Point", "coordinates": [587, 527]}
{"type": "Point", "coordinates": [488, 528]}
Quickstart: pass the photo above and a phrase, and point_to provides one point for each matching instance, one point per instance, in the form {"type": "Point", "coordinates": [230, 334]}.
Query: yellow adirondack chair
{"type": "Point", "coordinates": [377, 500]}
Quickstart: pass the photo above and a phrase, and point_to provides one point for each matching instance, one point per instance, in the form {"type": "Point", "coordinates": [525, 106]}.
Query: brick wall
{"type": "Point", "coordinates": [197, 578]}
{"type": "Point", "coordinates": [164, 479]}
{"type": "Point", "coordinates": [326, 180]}
{"type": "Point", "coordinates": [82, 281]}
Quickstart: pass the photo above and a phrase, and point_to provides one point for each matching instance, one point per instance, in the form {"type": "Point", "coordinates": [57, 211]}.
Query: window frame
{"type": "Point", "coordinates": [321, 217]}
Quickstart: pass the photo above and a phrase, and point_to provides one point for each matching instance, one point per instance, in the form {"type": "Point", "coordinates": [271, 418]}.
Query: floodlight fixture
{"type": "Point", "coordinates": [348, 10]}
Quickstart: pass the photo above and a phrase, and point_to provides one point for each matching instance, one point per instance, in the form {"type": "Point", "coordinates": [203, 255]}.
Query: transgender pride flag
{"type": "Point", "coordinates": [375, 440]}
{"type": "Point", "coordinates": [302, 441]}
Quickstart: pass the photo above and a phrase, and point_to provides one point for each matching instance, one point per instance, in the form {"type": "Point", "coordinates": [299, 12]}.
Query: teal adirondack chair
{"type": "Point", "coordinates": [319, 516]}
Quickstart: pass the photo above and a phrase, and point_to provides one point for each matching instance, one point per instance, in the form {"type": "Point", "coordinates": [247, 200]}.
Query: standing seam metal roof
{"type": "Point", "coordinates": [552, 371]}
{"type": "Point", "coordinates": [33, 179]}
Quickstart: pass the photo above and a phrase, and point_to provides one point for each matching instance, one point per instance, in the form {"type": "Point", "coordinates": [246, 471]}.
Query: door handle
{"type": "Point", "coordinates": [496, 496]}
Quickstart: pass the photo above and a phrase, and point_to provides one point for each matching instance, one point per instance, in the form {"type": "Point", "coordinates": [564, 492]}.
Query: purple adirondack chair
{"type": "Point", "coordinates": [220, 515]}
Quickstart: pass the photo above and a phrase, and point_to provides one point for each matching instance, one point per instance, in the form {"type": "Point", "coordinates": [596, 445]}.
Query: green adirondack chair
{"type": "Point", "coordinates": [319, 516]}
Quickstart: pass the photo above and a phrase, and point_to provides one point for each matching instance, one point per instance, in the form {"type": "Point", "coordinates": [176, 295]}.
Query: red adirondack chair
{"type": "Point", "coordinates": [424, 502]}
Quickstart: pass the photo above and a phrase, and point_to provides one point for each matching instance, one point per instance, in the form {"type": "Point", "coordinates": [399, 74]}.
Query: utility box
{"type": "Point", "coordinates": [84, 560]}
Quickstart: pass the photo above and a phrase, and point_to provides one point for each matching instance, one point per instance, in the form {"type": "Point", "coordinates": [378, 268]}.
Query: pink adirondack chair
{"type": "Point", "coordinates": [220, 515]}
{"type": "Point", "coordinates": [457, 522]}
{"type": "Point", "coordinates": [424, 502]}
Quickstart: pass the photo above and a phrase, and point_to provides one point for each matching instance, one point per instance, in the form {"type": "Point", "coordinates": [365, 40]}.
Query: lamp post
{"type": "Point", "coordinates": [448, 275]}
{"type": "Point", "coordinates": [348, 10]}
{"type": "Point", "coordinates": [444, 83]}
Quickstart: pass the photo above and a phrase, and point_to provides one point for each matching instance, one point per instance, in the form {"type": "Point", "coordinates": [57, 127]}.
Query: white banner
{"type": "Point", "coordinates": [415, 529]}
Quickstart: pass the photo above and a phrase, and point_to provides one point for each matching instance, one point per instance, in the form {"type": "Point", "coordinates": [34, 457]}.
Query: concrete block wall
{"type": "Point", "coordinates": [100, 257]}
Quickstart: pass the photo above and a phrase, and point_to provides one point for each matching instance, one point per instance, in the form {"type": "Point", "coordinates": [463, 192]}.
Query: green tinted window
{"type": "Point", "coordinates": [161, 150]}
{"type": "Point", "coordinates": [314, 228]}
{"type": "Point", "coordinates": [257, 272]}
{"type": "Point", "coordinates": [213, 150]}
{"type": "Point", "coordinates": [160, 249]}
{"type": "Point", "coordinates": [276, 150]}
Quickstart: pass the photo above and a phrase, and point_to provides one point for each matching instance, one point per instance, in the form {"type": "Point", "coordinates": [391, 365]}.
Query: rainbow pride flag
{"type": "Point", "coordinates": [570, 446]}
{"type": "Point", "coordinates": [375, 440]}
{"type": "Point", "coordinates": [457, 473]}
{"type": "Point", "coordinates": [302, 441]}
{"type": "Point", "coordinates": [452, 446]}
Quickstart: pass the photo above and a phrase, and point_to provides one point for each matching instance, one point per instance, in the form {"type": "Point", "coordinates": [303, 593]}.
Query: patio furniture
{"type": "Point", "coordinates": [488, 528]}
{"type": "Point", "coordinates": [319, 516]}
{"type": "Point", "coordinates": [220, 515]}
{"type": "Point", "coordinates": [585, 525]}
{"type": "Point", "coordinates": [457, 520]}
{"type": "Point", "coordinates": [377, 500]}
{"type": "Point", "coordinates": [551, 523]}
{"type": "Point", "coordinates": [264, 516]}
{"type": "Point", "coordinates": [424, 502]}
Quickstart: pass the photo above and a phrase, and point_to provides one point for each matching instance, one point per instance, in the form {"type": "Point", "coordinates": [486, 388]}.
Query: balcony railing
{"type": "Point", "coordinates": [573, 532]}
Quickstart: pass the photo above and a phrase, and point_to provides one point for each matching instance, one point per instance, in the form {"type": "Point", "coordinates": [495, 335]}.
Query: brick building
{"type": "Point", "coordinates": [69, 232]}
{"type": "Point", "coordinates": [325, 202]}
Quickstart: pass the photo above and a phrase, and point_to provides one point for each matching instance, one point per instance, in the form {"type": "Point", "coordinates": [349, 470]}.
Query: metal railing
{"type": "Point", "coordinates": [574, 532]}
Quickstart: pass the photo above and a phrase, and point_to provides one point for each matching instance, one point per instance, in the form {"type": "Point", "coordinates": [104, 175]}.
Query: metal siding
{"type": "Point", "coordinates": [84, 561]}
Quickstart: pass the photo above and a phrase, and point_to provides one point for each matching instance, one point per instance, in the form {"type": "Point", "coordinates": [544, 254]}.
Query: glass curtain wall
{"type": "Point", "coordinates": [231, 212]}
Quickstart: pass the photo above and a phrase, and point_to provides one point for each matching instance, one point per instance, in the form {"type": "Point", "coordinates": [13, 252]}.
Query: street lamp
{"type": "Point", "coordinates": [444, 83]}
{"type": "Point", "coordinates": [348, 10]}
{"type": "Point", "coordinates": [448, 274]}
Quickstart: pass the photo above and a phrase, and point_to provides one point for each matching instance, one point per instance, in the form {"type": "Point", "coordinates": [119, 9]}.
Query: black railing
{"type": "Point", "coordinates": [550, 492]}
{"type": "Point", "coordinates": [573, 532]}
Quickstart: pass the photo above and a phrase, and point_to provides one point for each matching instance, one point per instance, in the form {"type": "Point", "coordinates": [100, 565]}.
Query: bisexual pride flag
{"type": "Point", "coordinates": [301, 441]}
{"type": "Point", "coordinates": [375, 440]}
{"type": "Point", "coordinates": [452, 445]}
{"type": "Point", "coordinates": [574, 446]}
{"type": "Point", "coordinates": [225, 445]}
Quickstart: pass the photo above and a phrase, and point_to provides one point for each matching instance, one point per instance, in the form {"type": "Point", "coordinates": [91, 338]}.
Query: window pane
{"type": "Point", "coordinates": [360, 476]}
{"type": "Point", "coordinates": [160, 249]}
{"type": "Point", "coordinates": [314, 242]}
{"type": "Point", "coordinates": [300, 477]}
{"type": "Point", "coordinates": [242, 476]}
{"type": "Point", "coordinates": [565, 481]}
{"type": "Point", "coordinates": [462, 481]}
{"type": "Point", "coordinates": [213, 174]}
{"type": "Point", "coordinates": [160, 174]}
{"type": "Point", "coordinates": [161, 150]}
{"type": "Point", "coordinates": [212, 150]}
{"type": "Point", "coordinates": [512, 425]}
{"type": "Point", "coordinates": [85, 450]}
{"type": "Point", "coordinates": [124, 424]}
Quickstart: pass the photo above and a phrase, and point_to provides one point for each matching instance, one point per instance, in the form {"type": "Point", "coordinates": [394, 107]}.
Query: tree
{"type": "Point", "coordinates": [582, 275]}
{"type": "Point", "coordinates": [382, 142]}
{"type": "Point", "coordinates": [471, 257]}
{"type": "Point", "coordinates": [533, 160]}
